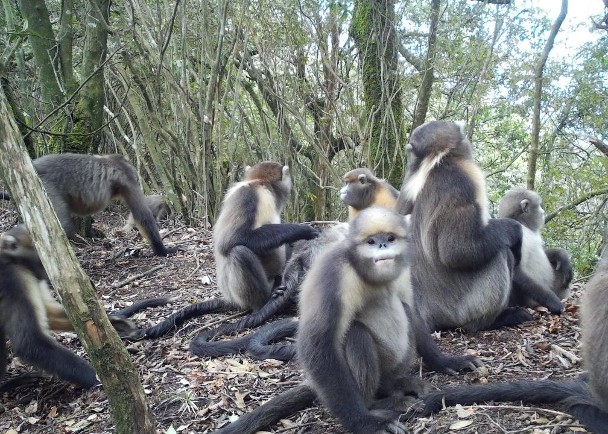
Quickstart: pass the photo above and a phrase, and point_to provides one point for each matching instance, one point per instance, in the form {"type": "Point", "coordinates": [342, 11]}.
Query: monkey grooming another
{"type": "Point", "coordinates": [585, 398]}
{"type": "Point", "coordinates": [536, 280]}
{"type": "Point", "coordinates": [362, 190]}
{"type": "Point", "coordinates": [156, 204]}
{"type": "Point", "coordinates": [249, 245]}
{"type": "Point", "coordinates": [463, 260]}
{"type": "Point", "coordinates": [86, 184]}
{"type": "Point", "coordinates": [354, 337]}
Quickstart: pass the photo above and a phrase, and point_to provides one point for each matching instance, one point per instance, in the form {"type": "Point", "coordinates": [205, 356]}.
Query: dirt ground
{"type": "Point", "coordinates": [195, 395]}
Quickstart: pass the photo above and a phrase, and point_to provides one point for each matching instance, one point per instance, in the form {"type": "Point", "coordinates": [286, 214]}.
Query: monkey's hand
{"type": "Point", "coordinates": [310, 232]}
{"type": "Point", "coordinates": [449, 364]}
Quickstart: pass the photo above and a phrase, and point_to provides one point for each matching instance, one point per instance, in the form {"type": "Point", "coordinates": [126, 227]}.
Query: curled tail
{"type": "Point", "coordinates": [140, 305]}
{"type": "Point", "coordinates": [279, 407]}
{"type": "Point", "coordinates": [261, 341]}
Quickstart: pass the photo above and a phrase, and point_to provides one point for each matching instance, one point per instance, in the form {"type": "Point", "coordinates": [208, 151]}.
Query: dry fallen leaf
{"type": "Point", "coordinates": [461, 424]}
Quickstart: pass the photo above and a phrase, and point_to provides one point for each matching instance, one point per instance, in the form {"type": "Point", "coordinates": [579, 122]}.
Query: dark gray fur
{"type": "Point", "coordinates": [586, 398]}
{"type": "Point", "coordinates": [354, 338]}
{"type": "Point", "coordinates": [249, 238]}
{"type": "Point", "coordinates": [83, 185]}
{"type": "Point", "coordinates": [463, 260]}
{"type": "Point", "coordinates": [536, 281]}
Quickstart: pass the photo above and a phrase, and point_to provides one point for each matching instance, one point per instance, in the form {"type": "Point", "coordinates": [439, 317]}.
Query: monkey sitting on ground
{"type": "Point", "coordinates": [83, 185]}
{"type": "Point", "coordinates": [249, 245]}
{"type": "Point", "coordinates": [536, 280]}
{"type": "Point", "coordinates": [586, 398]}
{"type": "Point", "coordinates": [463, 260]}
{"type": "Point", "coordinates": [156, 204]}
{"type": "Point", "coordinates": [354, 337]}
{"type": "Point", "coordinates": [362, 190]}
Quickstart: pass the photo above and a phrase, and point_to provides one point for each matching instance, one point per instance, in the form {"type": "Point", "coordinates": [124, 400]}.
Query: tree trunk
{"type": "Point", "coordinates": [109, 357]}
{"type": "Point", "coordinates": [428, 75]}
{"type": "Point", "coordinates": [44, 48]}
{"type": "Point", "coordinates": [373, 31]}
{"type": "Point", "coordinates": [89, 109]}
{"type": "Point", "coordinates": [538, 92]}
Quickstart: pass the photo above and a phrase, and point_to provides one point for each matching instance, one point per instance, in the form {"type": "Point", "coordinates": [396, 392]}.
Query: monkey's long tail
{"type": "Point", "coordinates": [261, 341]}
{"type": "Point", "coordinates": [203, 345]}
{"type": "Point", "coordinates": [279, 407]}
{"type": "Point", "coordinates": [175, 320]}
{"type": "Point", "coordinates": [575, 395]}
{"type": "Point", "coordinates": [140, 305]}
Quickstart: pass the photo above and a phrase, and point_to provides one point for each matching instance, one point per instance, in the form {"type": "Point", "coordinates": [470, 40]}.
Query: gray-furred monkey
{"type": "Point", "coordinates": [537, 280]}
{"type": "Point", "coordinates": [86, 184]}
{"type": "Point", "coordinates": [249, 238]}
{"type": "Point", "coordinates": [354, 337]}
{"type": "Point", "coordinates": [156, 204]}
{"type": "Point", "coordinates": [463, 260]}
{"type": "Point", "coordinates": [362, 190]}
{"type": "Point", "coordinates": [586, 398]}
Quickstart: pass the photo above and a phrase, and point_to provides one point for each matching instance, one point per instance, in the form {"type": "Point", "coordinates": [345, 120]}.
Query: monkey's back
{"type": "Point", "coordinates": [86, 182]}
{"type": "Point", "coordinates": [595, 331]}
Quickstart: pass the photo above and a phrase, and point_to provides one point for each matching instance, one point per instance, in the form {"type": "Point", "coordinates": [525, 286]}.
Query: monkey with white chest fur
{"type": "Point", "coordinates": [543, 275]}
{"type": "Point", "coordinates": [355, 341]}
{"type": "Point", "coordinates": [463, 260]}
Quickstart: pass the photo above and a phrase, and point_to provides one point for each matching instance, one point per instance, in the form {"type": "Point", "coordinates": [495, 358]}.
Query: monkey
{"type": "Point", "coordinates": [535, 278]}
{"type": "Point", "coordinates": [585, 398]}
{"type": "Point", "coordinates": [362, 190]}
{"type": "Point", "coordinates": [82, 185]}
{"type": "Point", "coordinates": [462, 259]}
{"type": "Point", "coordinates": [27, 313]}
{"type": "Point", "coordinates": [249, 245]}
{"type": "Point", "coordinates": [249, 238]}
{"type": "Point", "coordinates": [156, 204]}
{"type": "Point", "coordinates": [354, 340]}
{"type": "Point", "coordinates": [16, 244]}
{"type": "Point", "coordinates": [563, 273]}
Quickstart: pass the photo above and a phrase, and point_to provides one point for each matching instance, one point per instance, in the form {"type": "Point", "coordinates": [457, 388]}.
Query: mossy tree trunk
{"type": "Point", "coordinates": [373, 30]}
{"type": "Point", "coordinates": [109, 357]}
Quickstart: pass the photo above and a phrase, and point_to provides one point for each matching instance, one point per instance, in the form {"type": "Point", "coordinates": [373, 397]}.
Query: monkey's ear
{"type": "Point", "coordinates": [247, 168]}
{"type": "Point", "coordinates": [524, 205]}
{"type": "Point", "coordinates": [285, 171]}
{"type": "Point", "coordinates": [362, 178]}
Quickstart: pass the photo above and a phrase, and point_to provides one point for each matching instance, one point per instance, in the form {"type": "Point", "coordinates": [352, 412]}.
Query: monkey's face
{"type": "Point", "coordinates": [380, 258]}
{"type": "Point", "coordinates": [358, 188]}
{"type": "Point", "coordinates": [17, 243]}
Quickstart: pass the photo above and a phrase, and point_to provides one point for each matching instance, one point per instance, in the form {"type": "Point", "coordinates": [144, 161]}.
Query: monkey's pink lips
{"type": "Point", "coordinates": [384, 261]}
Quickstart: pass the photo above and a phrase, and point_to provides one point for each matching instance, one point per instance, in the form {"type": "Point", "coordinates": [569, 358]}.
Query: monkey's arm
{"type": "Point", "coordinates": [524, 286]}
{"type": "Point", "coordinates": [470, 245]}
{"type": "Point", "coordinates": [271, 236]}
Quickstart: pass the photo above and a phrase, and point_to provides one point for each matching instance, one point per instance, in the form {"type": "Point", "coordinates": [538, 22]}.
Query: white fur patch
{"type": "Point", "coordinates": [34, 293]}
{"type": "Point", "coordinates": [534, 261]}
{"type": "Point", "coordinates": [267, 208]}
{"type": "Point", "coordinates": [416, 183]}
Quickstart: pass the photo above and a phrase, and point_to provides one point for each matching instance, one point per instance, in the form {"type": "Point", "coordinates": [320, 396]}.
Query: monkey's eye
{"type": "Point", "coordinates": [391, 238]}
{"type": "Point", "coordinates": [371, 241]}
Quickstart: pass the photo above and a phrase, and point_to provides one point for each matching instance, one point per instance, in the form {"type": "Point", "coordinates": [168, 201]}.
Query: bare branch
{"type": "Point", "coordinates": [599, 144]}
{"type": "Point", "coordinates": [583, 198]}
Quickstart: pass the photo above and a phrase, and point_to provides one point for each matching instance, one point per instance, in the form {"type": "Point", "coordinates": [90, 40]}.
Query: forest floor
{"type": "Point", "coordinates": [195, 395]}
